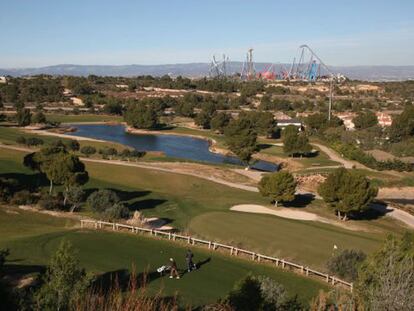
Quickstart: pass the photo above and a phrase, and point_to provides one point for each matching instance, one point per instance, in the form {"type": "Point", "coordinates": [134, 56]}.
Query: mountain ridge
{"type": "Point", "coordinates": [199, 69]}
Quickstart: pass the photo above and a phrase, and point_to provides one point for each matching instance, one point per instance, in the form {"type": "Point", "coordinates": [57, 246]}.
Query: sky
{"type": "Point", "coordinates": [37, 33]}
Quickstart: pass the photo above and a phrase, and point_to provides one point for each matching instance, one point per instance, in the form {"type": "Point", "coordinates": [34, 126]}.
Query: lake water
{"type": "Point", "coordinates": [182, 147]}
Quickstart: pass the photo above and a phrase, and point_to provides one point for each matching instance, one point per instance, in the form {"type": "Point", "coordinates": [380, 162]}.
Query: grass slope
{"type": "Point", "coordinates": [202, 207]}
{"type": "Point", "coordinates": [106, 252]}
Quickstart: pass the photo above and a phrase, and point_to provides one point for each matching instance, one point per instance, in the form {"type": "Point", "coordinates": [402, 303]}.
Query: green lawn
{"type": "Point", "coordinates": [307, 242]}
{"type": "Point", "coordinates": [33, 238]}
{"type": "Point", "coordinates": [194, 204]}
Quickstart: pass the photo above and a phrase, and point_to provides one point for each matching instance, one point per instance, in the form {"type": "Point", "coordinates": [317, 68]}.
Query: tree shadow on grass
{"type": "Point", "coordinates": [28, 180]}
{"type": "Point", "coordinates": [375, 211]}
{"type": "Point", "coordinates": [300, 201]}
{"type": "Point", "coordinates": [19, 269]}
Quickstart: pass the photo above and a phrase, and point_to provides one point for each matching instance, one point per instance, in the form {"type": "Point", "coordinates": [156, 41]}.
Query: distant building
{"type": "Point", "coordinates": [3, 79]}
{"type": "Point", "coordinates": [279, 115]}
{"type": "Point", "coordinates": [384, 119]}
{"type": "Point", "coordinates": [286, 122]}
{"type": "Point", "coordinates": [67, 92]}
{"type": "Point", "coordinates": [347, 118]}
{"type": "Point", "coordinates": [77, 101]}
{"type": "Point", "coordinates": [122, 86]}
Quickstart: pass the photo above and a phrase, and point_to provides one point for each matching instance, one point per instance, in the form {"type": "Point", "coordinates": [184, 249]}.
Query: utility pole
{"type": "Point", "coordinates": [330, 98]}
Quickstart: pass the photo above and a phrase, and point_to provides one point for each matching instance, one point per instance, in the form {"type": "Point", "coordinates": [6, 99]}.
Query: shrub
{"type": "Point", "coordinates": [88, 150]}
{"type": "Point", "coordinates": [116, 211]}
{"type": "Point", "coordinates": [73, 145]}
{"type": "Point", "coordinates": [50, 202]}
{"type": "Point", "coordinates": [345, 264]}
{"type": "Point", "coordinates": [21, 140]}
{"type": "Point", "coordinates": [22, 197]}
{"type": "Point", "coordinates": [34, 141]}
{"type": "Point", "coordinates": [101, 200]}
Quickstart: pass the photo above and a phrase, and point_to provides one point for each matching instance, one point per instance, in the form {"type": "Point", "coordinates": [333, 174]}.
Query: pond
{"type": "Point", "coordinates": [181, 147]}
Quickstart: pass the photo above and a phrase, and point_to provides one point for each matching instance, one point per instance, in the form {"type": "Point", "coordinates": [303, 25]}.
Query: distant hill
{"type": "Point", "coordinates": [370, 73]}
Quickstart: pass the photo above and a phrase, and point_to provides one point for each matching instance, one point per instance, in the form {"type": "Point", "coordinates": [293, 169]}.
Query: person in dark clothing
{"type": "Point", "coordinates": [173, 271]}
{"type": "Point", "coordinates": [189, 259]}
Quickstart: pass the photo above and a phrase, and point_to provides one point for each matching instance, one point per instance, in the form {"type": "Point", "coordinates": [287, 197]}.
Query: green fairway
{"type": "Point", "coordinates": [306, 242]}
{"type": "Point", "coordinates": [201, 206]}
{"type": "Point", "coordinates": [104, 252]}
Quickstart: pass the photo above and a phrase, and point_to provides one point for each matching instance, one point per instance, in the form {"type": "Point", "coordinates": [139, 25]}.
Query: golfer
{"type": "Point", "coordinates": [173, 271]}
{"type": "Point", "coordinates": [189, 259]}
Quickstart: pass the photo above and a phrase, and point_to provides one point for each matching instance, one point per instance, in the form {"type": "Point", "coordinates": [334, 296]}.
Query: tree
{"type": "Point", "coordinates": [203, 119]}
{"type": "Point", "coordinates": [319, 122]}
{"type": "Point", "coordinates": [75, 196]}
{"type": "Point", "coordinates": [60, 167]}
{"type": "Point", "coordinates": [279, 187]}
{"type": "Point", "coordinates": [295, 142]}
{"type": "Point", "coordinates": [101, 200]}
{"type": "Point", "coordinates": [365, 120]}
{"type": "Point", "coordinates": [246, 295]}
{"type": "Point", "coordinates": [403, 125]}
{"type": "Point", "coordinates": [241, 139]}
{"type": "Point", "coordinates": [23, 117]}
{"type": "Point", "coordinates": [39, 117]}
{"type": "Point", "coordinates": [386, 278]}
{"type": "Point", "coordinates": [64, 280]}
{"type": "Point", "coordinates": [219, 122]}
{"type": "Point", "coordinates": [73, 145]}
{"type": "Point", "coordinates": [141, 116]}
{"type": "Point", "coordinates": [346, 263]}
{"type": "Point", "coordinates": [347, 192]}
{"type": "Point", "coordinates": [88, 150]}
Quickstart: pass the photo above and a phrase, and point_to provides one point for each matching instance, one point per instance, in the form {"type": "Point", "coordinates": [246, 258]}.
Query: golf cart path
{"type": "Point", "coordinates": [334, 156]}
{"type": "Point", "coordinates": [400, 215]}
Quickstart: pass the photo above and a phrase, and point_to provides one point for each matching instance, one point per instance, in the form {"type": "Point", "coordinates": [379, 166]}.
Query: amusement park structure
{"type": "Point", "coordinates": [218, 68]}
{"type": "Point", "coordinates": [307, 66]}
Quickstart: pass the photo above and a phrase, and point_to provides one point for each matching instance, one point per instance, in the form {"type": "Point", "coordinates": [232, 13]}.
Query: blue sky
{"type": "Point", "coordinates": [48, 32]}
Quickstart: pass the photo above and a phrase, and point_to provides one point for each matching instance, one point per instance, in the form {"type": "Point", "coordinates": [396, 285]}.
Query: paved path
{"type": "Point", "coordinates": [334, 156]}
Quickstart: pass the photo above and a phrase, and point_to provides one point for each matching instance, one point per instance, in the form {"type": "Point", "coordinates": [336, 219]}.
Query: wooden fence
{"type": "Point", "coordinates": [234, 251]}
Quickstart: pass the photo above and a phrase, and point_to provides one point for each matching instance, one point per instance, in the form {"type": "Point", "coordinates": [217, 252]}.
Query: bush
{"type": "Point", "coordinates": [21, 140]}
{"type": "Point", "coordinates": [34, 141]}
{"type": "Point", "coordinates": [116, 211]}
{"type": "Point", "coordinates": [88, 150]}
{"type": "Point", "coordinates": [101, 200]}
{"type": "Point", "coordinates": [23, 197]}
{"type": "Point", "coordinates": [50, 202]}
{"type": "Point", "coordinates": [345, 264]}
{"type": "Point", "coordinates": [73, 145]}
{"type": "Point", "coordinates": [8, 187]}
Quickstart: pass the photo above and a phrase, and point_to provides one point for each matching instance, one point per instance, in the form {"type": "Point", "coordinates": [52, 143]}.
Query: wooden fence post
{"type": "Point", "coordinates": [283, 263]}
{"type": "Point", "coordinates": [113, 226]}
{"type": "Point", "coordinates": [327, 278]}
{"type": "Point", "coordinates": [209, 244]}
{"type": "Point", "coordinates": [307, 271]}
{"type": "Point", "coordinates": [253, 256]}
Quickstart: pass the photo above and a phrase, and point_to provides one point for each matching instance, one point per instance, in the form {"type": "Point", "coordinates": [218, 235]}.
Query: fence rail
{"type": "Point", "coordinates": [234, 251]}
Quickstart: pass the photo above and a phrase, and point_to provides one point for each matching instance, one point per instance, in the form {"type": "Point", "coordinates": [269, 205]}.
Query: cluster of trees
{"type": "Point", "coordinates": [318, 122]}
{"type": "Point", "coordinates": [107, 204]}
{"type": "Point", "coordinates": [141, 116]}
{"type": "Point", "coordinates": [59, 166]}
{"type": "Point", "coordinates": [36, 89]}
